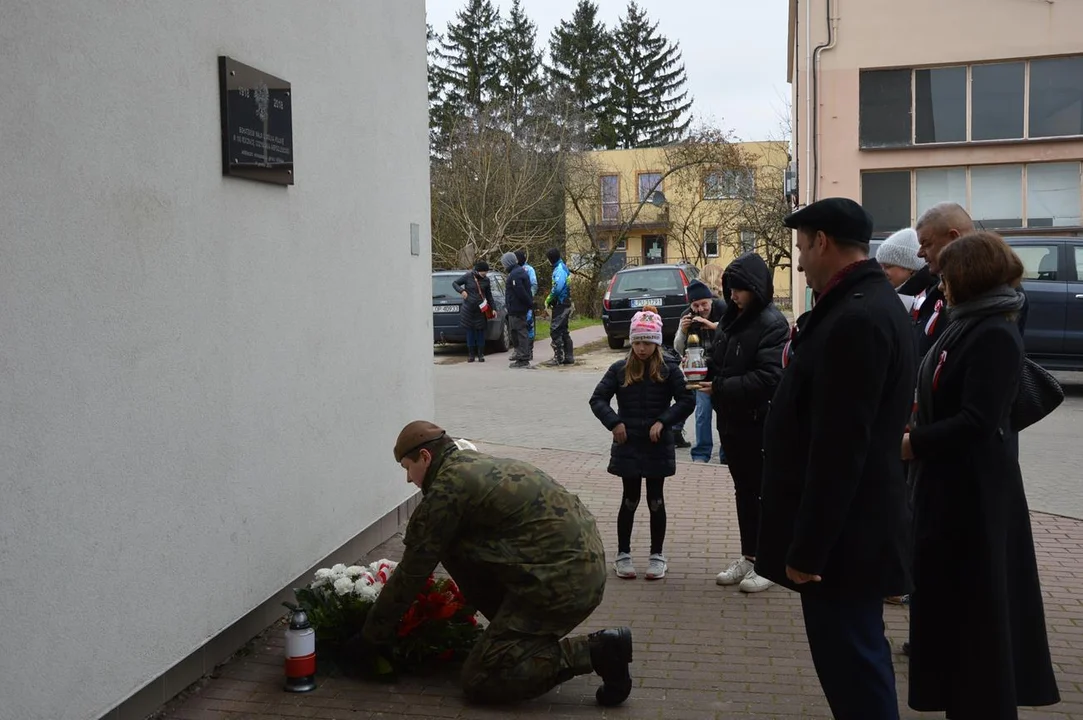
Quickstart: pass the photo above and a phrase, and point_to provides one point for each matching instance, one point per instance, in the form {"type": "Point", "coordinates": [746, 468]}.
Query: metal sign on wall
{"type": "Point", "coordinates": [257, 123]}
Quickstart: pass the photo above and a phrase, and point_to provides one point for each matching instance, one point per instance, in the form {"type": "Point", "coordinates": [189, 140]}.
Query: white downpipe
{"type": "Point", "coordinates": [808, 101]}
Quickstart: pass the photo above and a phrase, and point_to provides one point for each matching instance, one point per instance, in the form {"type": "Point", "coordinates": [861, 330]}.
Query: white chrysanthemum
{"type": "Point", "coordinates": [338, 569]}
{"type": "Point", "coordinates": [354, 570]}
{"type": "Point", "coordinates": [343, 586]}
{"type": "Point", "coordinates": [324, 574]}
{"type": "Point", "coordinates": [365, 590]}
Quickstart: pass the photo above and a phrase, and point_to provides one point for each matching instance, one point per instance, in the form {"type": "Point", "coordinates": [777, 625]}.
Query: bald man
{"type": "Point", "coordinates": [937, 228]}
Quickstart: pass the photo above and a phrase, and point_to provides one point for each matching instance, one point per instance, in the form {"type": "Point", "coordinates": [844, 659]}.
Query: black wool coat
{"type": "Point", "coordinates": [746, 356]}
{"type": "Point", "coordinates": [470, 315]}
{"type": "Point", "coordinates": [977, 627]}
{"type": "Point", "coordinates": [834, 499]}
{"type": "Point", "coordinates": [639, 406]}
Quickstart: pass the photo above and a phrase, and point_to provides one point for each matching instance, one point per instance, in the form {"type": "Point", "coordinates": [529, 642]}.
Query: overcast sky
{"type": "Point", "coordinates": [734, 51]}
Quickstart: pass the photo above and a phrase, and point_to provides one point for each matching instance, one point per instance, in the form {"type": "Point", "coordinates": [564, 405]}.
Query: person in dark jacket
{"type": "Point", "coordinates": [520, 303]}
{"type": "Point", "coordinates": [745, 371]}
{"type": "Point", "coordinates": [834, 522]}
{"type": "Point", "coordinates": [978, 644]}
{"type": "Point", "coordinates": [701, 319]}
{"type": "Point", "coordinates": [651, 397]}
{"type": "Point", "coordinates": [475, 289]}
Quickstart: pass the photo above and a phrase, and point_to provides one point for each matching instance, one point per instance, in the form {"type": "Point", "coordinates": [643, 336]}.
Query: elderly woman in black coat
{"type": "Point", "coordinates": [978, 645]}
{"type": "Point", "coordinates": [476, 290]}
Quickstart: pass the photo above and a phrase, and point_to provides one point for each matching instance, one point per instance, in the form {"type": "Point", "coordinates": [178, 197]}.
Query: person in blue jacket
{"type": "Point", "coordinates": [560, 303]}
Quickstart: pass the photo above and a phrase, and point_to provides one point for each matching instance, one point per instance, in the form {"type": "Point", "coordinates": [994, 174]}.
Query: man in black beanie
{"type": "Point", "coordinates": [701, 319]}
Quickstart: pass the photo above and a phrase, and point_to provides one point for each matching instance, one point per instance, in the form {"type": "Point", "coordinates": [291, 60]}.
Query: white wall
{"type": "Point", "coordinates": [201, 378]}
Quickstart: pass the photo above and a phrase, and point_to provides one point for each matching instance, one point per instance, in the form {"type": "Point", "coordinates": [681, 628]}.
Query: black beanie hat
{"type": "Point", "coordinates": [481, 266]}
{"type": "Point", "coordinates": [520, 256]}
{"type": "Point", "coordinates": [553, 254]}
{"type": "Point", "coordinates": [698, 291]}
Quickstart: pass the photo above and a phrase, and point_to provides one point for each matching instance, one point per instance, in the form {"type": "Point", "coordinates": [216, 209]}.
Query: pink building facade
{"type": "Point", "coordinates": [901, 105]}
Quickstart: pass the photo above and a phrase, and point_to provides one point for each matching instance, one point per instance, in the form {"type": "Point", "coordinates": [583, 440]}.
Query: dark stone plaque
{"type": "Point", "coordinates": [257, 124]}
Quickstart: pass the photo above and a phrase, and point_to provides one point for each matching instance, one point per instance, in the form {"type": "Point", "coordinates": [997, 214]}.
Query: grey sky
{"type": "Point", "coordinates": [734, 51]}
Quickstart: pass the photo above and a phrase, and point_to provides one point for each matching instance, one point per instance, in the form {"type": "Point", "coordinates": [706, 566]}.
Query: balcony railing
{"type": "Point", "coordinates": [617, 215]}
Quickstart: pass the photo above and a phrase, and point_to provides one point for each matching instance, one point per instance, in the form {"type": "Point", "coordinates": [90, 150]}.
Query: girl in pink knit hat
{"type": "Point", "coordinates": [651, 399]}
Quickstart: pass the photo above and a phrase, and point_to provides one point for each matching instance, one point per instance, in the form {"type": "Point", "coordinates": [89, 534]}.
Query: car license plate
{"type": "Point", "coordinates": [445, 308]}
{"type": "Point", "coordinates": [641, 302]}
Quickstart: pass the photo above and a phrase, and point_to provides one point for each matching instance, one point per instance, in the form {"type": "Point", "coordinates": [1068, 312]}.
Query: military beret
{"type": "Point", "coordinates": [414, 435]}
{"type": "Point", "coordinates": [838, 217]}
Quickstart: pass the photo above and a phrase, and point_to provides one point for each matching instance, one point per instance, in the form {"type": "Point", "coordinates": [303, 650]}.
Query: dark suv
{"type": "Point", "coordinates": [446, 304]}
{"type": "Point", "coordinates": [663, 286]}
{"type": "Point", "coordinates": [1053, 282]}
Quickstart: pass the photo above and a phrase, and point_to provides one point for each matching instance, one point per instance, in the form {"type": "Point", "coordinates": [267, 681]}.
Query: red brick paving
{"type": "Point", "coordinates": [702, 652]}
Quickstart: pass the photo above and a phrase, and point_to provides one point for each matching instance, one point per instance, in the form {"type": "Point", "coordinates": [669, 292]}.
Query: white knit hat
{"type": "Point", "coordinates": [901, 250]}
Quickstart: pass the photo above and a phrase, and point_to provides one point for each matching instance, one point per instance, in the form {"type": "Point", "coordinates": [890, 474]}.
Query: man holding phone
{"type": "Point", "coordinates": [701, 319]}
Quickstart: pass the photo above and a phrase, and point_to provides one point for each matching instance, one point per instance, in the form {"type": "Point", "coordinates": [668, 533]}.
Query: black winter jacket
{"type": "Point", "coordinates": [640, 406]}
{"type": "Point", "coordinates": [518, 297]}
{"type": "Point", "coordinates": [470, 315]}
{"type": "Point", "coordinates": [746, 362]}
{"type": "Point", "coordinates": [834, 501]}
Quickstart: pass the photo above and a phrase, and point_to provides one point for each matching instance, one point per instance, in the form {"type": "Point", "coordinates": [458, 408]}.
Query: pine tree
{"type": "Point", "coordinates": [469, 57]}
{"type": "Point", "coordinates": [520, 65]}
{"type": "Point", "coordinates": [648, 106]}
{"type": "Point", "coordinates": [580, 67]}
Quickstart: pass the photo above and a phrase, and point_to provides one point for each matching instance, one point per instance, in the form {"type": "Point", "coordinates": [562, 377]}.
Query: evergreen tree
{"type": "Point", "coordinates": [520, 65]}
{"type": "Point", "coordinates": [580, 67]}
{"type": "Point", "coordinates": [647, 103]}
{"type": "Point", "coordinates": [469, 58]}
{"type": "Point", "coordinates": [440, 110]}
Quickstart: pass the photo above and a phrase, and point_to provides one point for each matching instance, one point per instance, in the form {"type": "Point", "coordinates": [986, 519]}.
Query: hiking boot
{"type": "Point", "coordinates": [735, 573]}
{"type": "Point", "coordinates": [553, 362]}
{"type": "Point", "coordinates": [656, 566]}
{"type": "Point", "coordinates": [624, 567]}
{"type": "Point", "coordinates": [754, 583]}
{"type": "Point", "coordinates": [610, 656]}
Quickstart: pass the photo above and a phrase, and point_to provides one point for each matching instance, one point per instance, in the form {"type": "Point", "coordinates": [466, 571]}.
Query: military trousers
{"type": "Point", "coordinates": [524, 651]}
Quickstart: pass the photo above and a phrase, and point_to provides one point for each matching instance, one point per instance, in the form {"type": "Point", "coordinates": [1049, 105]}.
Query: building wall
{"type": "Point", "coordinates": [922, 33]}
{"type": "Point", "coordinates": [201, 377]}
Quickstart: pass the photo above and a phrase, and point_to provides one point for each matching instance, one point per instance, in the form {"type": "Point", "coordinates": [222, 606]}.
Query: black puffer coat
{"type": "Point", "coordinates": [470, 315]}
{"type": "Point", "coordinates": [640, 406]}
{"type": "Point", "coordinates": [746, 356]}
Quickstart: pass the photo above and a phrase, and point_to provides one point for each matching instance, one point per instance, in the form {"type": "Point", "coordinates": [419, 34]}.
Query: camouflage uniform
{"type": "Point", "coordinates": [523, 550]}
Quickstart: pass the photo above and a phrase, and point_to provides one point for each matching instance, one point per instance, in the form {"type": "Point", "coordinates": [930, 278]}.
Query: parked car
{"type": "Point", "coordinates": [663, 286]}
{"type": "Point", "coordinates": [1053, 282]}
{"type": "Point", "coordinates": [446, 304]}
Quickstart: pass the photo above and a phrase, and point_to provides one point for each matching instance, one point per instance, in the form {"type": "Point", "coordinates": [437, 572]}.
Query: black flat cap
{"type": "Point", "coordinates": [838, 217]}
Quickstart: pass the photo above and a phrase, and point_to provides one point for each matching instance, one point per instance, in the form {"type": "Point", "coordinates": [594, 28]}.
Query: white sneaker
{"type": "Point", "coordinates": [735, 573]}
{"type": "Point", "coordinates": [624, 567]}
{"type": "Point", "coordinates": [656, 567]}
{"type": "Point", "coordinates": [754, 583]}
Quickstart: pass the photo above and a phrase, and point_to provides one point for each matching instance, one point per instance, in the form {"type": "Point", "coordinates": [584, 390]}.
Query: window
{"type": "Point", "coordinates": [938, 185]}
{"type": "Point", "coordinates": [1039, 261]}
{"type": "Point", "coordinates": [940, 105]}
{"type": "Point", "coordinates": [710, 242]}
{"type": "Point", "coordinates": [603, 245]}
{"type": "Point", "coordinates": [996, 196]}
{"type": "Point", "coordinates": [1053, 195]}
{"type": "Point", "coordinates": [885, 108]}
{"type": "Point", "coordinates": [748, 241]}
{"type": "Point", "coordinates": [935, 102]}
{"type": "Point", "coordinates": [886, 195]}
{"type": "Point", "coordinates": [622, 245]}
{"type": "Point", "coordinates": [610, 197]}
{"type": "Point", "coordinates": [647, 182]}
{"type": "Point", "coordinates": [723, 184]}
{"type": "Point", "coordinates": [1056, 97]}
{"type": "Point", "coordinates": [996, 101]}
{"type": "Point", "coordinates": [1078, 249]}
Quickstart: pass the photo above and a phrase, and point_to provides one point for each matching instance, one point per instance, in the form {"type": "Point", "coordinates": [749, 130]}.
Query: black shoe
{"type": "Point", "coordinates": [681, 441]}
{"type": "Point", "coordinates": [568, 361]}
{"type": "Point", "coordinates": [471, 358]}
{"type": "Point", "coordinates": [610, 656]}
{"type": "Point", "coordinates": [906, 649]}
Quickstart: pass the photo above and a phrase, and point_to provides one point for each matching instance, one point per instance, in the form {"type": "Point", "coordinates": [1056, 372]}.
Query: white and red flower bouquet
{"type": "Point", "coordinates": [439, 626]}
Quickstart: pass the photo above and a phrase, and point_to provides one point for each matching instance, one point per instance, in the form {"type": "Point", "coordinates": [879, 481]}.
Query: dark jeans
{"type": "Point", "coordinates": [744, 453]}
{"type": "Point", "coordinates": [628, 504]}
{"type": "Point", "coordinates": [559, 336]}
{"type": "Point", "coordinates": [475, 340]}
{"type": "Point", "coordinates": [851, 654]}
{"type": "Point", "coordinates": [521, 342]}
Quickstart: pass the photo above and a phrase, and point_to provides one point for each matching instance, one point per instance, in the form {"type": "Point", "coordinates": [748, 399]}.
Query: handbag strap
{"type": "Point", "coordinates": [480, 293]}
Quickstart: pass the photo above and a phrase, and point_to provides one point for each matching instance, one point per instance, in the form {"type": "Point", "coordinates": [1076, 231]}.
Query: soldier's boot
{"type": "Point", "coordinates": [569, 358]}
{"type": "Point", "coordinates": [610, 656]}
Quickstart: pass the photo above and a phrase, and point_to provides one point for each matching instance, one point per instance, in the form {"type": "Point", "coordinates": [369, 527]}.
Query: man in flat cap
{"type": "Point", "coordinates": [834, 516]}
{"type": "Point", "coordinates": [524, 551]}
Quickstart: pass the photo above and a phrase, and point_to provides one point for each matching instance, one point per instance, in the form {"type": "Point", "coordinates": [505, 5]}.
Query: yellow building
{"type": "Point", "coordinates": [670, 205]}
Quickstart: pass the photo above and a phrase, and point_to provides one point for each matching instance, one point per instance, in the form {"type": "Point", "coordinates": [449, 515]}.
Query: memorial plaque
{"type": "Point", "coordinates": [257, 123]}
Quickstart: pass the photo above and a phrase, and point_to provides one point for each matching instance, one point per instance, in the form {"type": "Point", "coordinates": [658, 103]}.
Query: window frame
{"type": "Point", "coordinates": [601, 196]}
{"type": "Point", "coordinates": [731, 188]}
{"type": "Point", "coordinates": [717, 243]}
{"type": "Point", "coordinates": [639, 183]}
